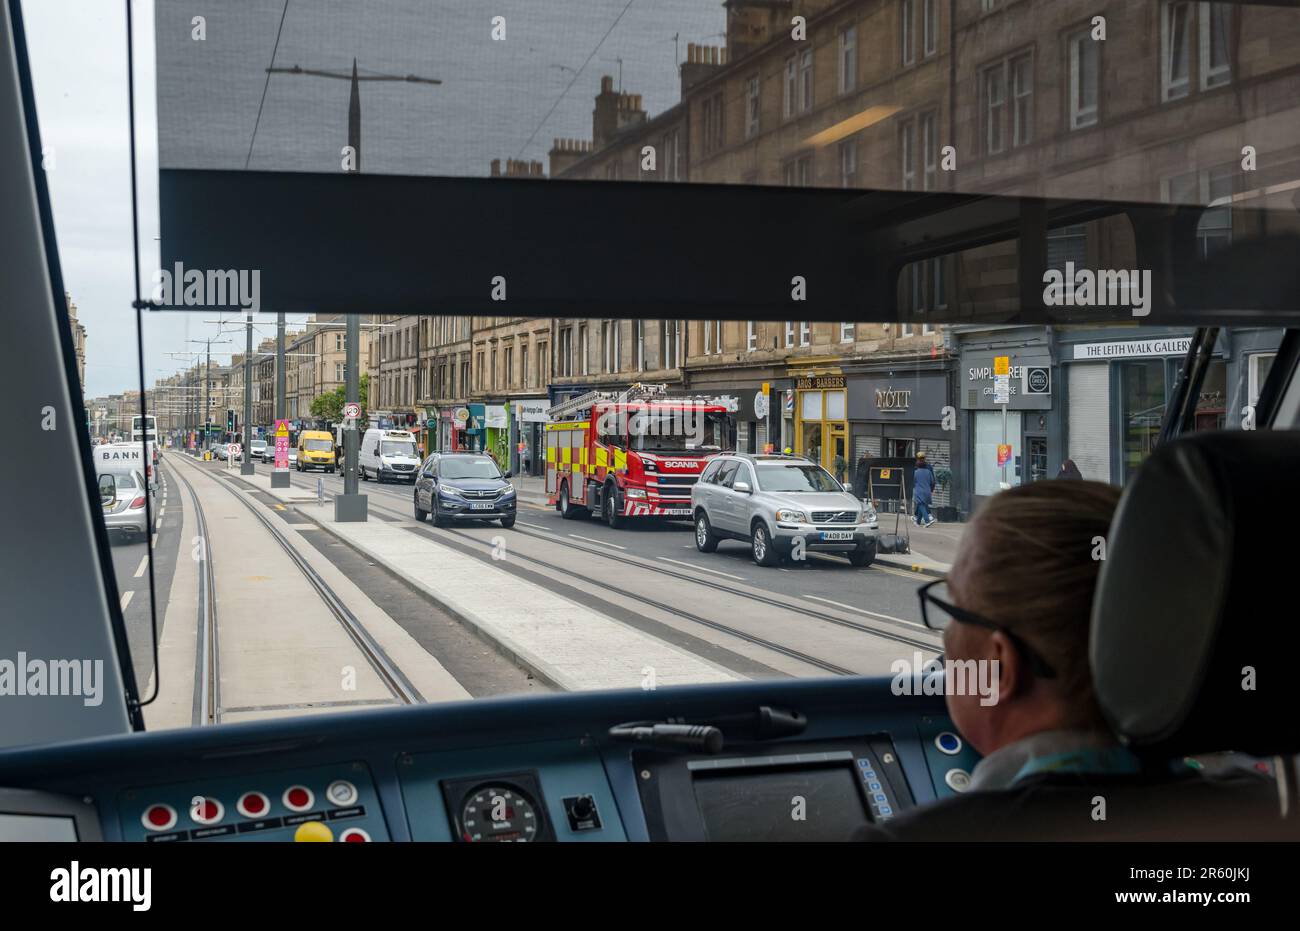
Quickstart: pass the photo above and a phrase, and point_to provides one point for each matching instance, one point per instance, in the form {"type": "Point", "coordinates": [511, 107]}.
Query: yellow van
{"type": "Point", "coordinates": [316, 450]}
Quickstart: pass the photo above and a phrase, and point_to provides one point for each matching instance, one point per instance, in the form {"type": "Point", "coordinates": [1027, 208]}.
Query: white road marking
{"type": "Point", "coordinates": [597, 542]}
{"type": "Point", "coordinates": [154, 544]}
{"type": "Point", "coordinates": [126, 599]}
{"type": "Point", "coordinates": [535, 526]}
{"type": "Point", "coordinates": [144, 564]}
{"type": "Point", "coordinates": [739, 578]}
{"type": "Point", "coordinates": [883, 617]}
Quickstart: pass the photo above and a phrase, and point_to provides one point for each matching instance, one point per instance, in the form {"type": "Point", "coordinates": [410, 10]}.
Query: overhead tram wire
{"type": "Point", "coordinates": [266, 85]}
{"type": "Point", "coordinates": [577, 74]}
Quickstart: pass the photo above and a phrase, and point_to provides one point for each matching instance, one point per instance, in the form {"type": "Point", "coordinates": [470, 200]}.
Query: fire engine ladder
{"type": "Point", "coordinates": [565, 410]}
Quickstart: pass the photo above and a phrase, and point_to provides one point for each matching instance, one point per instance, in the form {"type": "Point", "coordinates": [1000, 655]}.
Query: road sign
{"type": "Point", "coordinates": [282, 428]}
{"type": "Point", "coordinates": [1001, 365]}
{"type": "Point", "coordinates": [234, 449]}
{"type": "Point", "coordinates": [352, 410]}
{"type": "Point", "coordinates": [1004, 453]}
{"type": "Point", "coordinates": [1001, 389]}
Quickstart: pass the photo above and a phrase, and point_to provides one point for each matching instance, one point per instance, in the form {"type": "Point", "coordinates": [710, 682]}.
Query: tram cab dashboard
{"type": "Point", "coordinates": [797, 761]}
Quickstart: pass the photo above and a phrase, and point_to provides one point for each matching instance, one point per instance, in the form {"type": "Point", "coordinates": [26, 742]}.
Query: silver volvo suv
{"type": "Point", "coordinates": [782, 506]}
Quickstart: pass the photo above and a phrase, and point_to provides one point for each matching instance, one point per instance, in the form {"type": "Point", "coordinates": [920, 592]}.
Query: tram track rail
{"type": "Point", "coordinates": [783, 649]}
{"type": "Point", "coordinates": [207, 683]}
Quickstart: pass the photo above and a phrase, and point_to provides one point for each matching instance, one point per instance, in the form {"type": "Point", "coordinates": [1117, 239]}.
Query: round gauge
{"type": "Point", "coordinates": [498, 813]}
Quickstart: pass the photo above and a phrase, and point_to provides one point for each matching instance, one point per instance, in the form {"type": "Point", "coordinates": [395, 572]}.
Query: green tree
{"type": "Point", "coordinates": [329, 406]}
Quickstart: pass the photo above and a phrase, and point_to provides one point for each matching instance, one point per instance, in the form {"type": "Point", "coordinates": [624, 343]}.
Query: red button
{"type": "Point", "coordinates": [206, 810]}
{"type": "Point", "coordinates": [159, 817]}
{"type": "Point", "coordinates": [253, 804]}
{"type": "Point", "coordinates": [298, 798]}
{"type": "Point", "coordinates": [355, 836]}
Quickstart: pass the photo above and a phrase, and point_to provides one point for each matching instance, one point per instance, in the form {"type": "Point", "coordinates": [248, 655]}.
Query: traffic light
{"type": "Point", "coordinates": [230, 420]}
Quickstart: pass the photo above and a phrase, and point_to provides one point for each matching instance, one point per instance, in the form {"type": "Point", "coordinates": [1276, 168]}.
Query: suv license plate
{"type": "Point", "coordinates": [481, 506]}
{"type": "Point", "coordinates": [837, 534]}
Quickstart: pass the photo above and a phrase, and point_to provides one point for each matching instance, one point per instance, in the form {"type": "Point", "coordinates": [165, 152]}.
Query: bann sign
{"type": "Point", "coordinates": [105, 884]}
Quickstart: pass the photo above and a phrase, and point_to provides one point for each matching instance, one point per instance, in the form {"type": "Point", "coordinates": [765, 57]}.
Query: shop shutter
{"type": "Point", "coordinates": [1088, 430]}
{"type": "Point", "coordinates": [866, 446]}
{"type": "Point", "coordinates": [938, 454]}
{"type": "Point", "coordinates": [760, 436]}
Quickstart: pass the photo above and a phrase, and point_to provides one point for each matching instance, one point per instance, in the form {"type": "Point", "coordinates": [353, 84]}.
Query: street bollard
{"type": "Point", "coordinates": [320, 491]}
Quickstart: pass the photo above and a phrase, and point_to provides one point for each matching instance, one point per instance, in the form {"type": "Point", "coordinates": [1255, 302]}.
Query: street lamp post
{"type": "Point", "coordinates": [351, 506]}
{"type": "Point", "coordinates": [245, 460]}
{"type": "Point", "coordinates": [279, 478]}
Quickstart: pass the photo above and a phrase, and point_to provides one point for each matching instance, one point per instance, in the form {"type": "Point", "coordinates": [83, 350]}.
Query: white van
{"type": "Point", "coordinates": [388, 454]}
{"type": "Point", "coordinates": [126, 457]}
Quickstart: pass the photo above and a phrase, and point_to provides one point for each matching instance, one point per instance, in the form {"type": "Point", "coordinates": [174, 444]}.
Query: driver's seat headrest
{"type": "Point", "coordinates": [1194, 630]}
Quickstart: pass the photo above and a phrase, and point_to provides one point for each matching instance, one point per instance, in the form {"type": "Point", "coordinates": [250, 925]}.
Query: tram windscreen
{"type": "Point", "coordinates": [822, 804]}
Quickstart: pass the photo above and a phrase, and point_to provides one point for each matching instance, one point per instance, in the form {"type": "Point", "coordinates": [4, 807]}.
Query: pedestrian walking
{"type": "Point", "coordinates": [1069, 470]}
{"type": "Point", "coordinates": [923, 482]}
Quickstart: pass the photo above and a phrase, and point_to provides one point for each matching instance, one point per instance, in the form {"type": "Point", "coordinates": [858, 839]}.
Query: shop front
{"type": "Point", "coordinates": [529, 418]}
{"type": "Point", "coordinates": [895, 414]}
{"type": "Point", "coordinates": [452, 425]}
{"type": "Point", "coordinates": [821, 429]}
{"type": "Point", "coordinates": [1119, 387]}
{"type": "Point", "coordinates": [1013, 443]}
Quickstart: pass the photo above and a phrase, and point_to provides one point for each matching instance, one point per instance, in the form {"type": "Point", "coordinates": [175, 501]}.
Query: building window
{"type": "Point", "coordinates": [988, 6]}
{"type": "Point", "coordinates": [609, 346]}
{"type": "Point", "coordinates": [714, 130]}
{"type": "Point", "coordinates": [798, 172]}
{"type": "Point", "coordinates": [1258, 367]}
{"type": "Point", "coordinates": [510, 367]}
{"type": "Point", "coordinates": [1022, 91]}
{"type": "Point", "coordinates": [584, 351]}
{"type": "Point", "coordinates": [848, 163]}
{"type": "Point", "coordinates": [846, 332]}
{"type": "Point", "coordinates": [806, 80]}
{"type": "Point", "coordinates": [672, 156]}
{"type": "Point", "coordinates": [1216, 63]}
{"type": "Point", "coordinates": [526, 377]}
{"type": "Point", "coordinates": [907, 148]}
{"type": "Point", "coordinates": [907, 35]}
{"type": "Point", "coordinates": [789, 334]}
{"type": "Point", "coordinates": [1018, 72]}
{"type": "Point", "coordinates": [566, 351]}
{"type": "Point", "coordinates": [751, 336]}
{"type": "Point", "coordinates": [752, 109]}
{"type": "Point", "coordinates": [929, 152]}
{"type": "Point", "coordinates": [995, 105]}
{"type": "Point", "coordinates": [640, 345]}
{"type": "Point", "coordinates": [1085, 53]}
{"type": "Point", "coordinates": [929, 27]}
{"type": "Point", "coordinates": [848, 59]}
{"type": "Point", "coordinates": [1175, 49]}
{"type": "Point", "coordinates": [1067, 244]}
{"type": "Point", "coordinates": [789, 106]}
{"type": "Point", "coordinates": [805, 332]}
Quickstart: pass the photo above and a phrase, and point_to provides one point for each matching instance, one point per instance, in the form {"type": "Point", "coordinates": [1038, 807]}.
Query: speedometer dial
{"type": "Point", "coordinates": [498, 813]}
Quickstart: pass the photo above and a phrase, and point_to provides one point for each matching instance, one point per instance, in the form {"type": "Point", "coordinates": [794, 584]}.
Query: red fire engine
{"type": "Point", "coordinates": [634, 453]}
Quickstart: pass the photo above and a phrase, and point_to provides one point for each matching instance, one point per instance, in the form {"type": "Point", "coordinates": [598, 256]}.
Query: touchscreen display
{"type": "Point", "coordinates": [822, 804]}
{"type": "Point", "coordinates": [36, 828]}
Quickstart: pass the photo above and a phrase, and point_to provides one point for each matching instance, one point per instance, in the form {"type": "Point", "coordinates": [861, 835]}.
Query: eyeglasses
{"type": "Point", "coordinates": [937, 612]}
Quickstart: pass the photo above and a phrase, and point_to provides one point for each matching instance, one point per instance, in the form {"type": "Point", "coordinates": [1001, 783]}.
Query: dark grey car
{"type": "Point", "coordinates": [457, 487]}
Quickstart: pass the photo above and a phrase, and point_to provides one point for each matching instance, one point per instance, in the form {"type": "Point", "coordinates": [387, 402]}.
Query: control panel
{"type": "Point", "coordinates": [323, 803]}
{"type": "Point", "coordinates": [481, 795]}
{"type": "Point", "coordinates": [950, 759]}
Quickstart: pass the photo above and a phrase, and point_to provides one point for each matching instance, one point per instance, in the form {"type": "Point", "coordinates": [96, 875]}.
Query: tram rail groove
{"type": "Point", "coordinates": [773, 646]}
{"type": "Point", "coordinates": [388, 671]}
